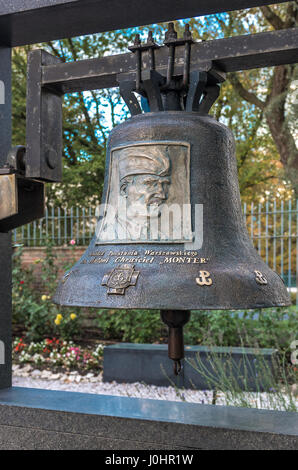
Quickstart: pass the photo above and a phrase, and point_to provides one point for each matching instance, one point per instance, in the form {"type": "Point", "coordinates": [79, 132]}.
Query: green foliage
{"type": "Point", "coordinates": [137, 326]}
{"type": "Point", "coordinates": [266, 328]}
{"type": "Point", "coordinates": [67, 324]}
{"type": "Point", "coordinates": [231, 381]}
{"type": "Point", "coordinates": [87, 118]}
{"type": "Point", "coordinates": [27, 311]}
{"type": "Point", "coordinates": [35, 312]}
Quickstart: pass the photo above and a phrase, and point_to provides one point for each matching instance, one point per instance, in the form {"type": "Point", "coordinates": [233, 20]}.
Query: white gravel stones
{"type": "Point", "coordinates": [93, 384]}
{"type": "Point", "coordinates": [89, 383]}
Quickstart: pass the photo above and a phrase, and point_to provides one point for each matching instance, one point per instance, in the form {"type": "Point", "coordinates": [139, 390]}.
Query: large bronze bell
{"type": "Point", "coordinates": [171, 234]}
{"type": "Point", "coordinates": [193, 158]}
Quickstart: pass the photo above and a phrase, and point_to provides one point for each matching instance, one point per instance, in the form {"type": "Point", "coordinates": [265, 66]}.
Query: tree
{"type": "Point", "coordinates": [85, 126]}
{"type": "Point", "coordinates": [89, 116]}
{"type": "Point", "coordinates": [275, 105]}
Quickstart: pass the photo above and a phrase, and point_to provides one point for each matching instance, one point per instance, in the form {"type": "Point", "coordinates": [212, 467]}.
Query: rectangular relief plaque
{"type": "Point", "coordinates": [148, 197]}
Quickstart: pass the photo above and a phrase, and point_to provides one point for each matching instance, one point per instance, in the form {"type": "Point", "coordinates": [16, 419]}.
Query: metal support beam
{"type": "Point", "coordinates": [221, 55]}
{"type": "Point", "coordinates": [44, 143]}
{"type": "Point", "coordinates": [5, 238]}
{"type": "Point", "coordinates": [35, 21]}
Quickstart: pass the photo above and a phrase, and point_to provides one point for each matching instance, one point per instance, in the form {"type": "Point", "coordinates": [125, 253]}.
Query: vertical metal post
{"type": "Point", "coordinates": [59, 227]}
{"type": "Point", "coordinates": [90, 224]}
{"type": "Point", "coordinates": [290, 244]}
{"type": "Point", "coordinates": [71, 223]}
{"type": "Point", "coordinates": [40, 231]}
{"type": "Point", "coordinates": [252, 222]}
{"type": "Point", "coordinates": [266, 232]}
{"type": "Point", "coordinates": [78, 225]}
{"type": "Point", "coordinates": [259, 231]}
{"type": "Point", "coordinates": [53, 223]}
{"type": "Point", "coordinates": [29, 235]}
{"type": "Point", "coordinates": [274, 235]}
{"type": "Point", "coordinates": [47, 223]}
{"type": "Point", "coordinates": [282, 239]}
{"type": "Point", "coordinates": [5, 238]}
{"type": "Point", "coordinates": [297, 252]}
{"type": "Point", "coordinates": [65, 226]}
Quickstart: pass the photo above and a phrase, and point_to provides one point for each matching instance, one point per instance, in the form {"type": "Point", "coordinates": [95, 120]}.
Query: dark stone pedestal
{"type": "Point", "coordinates": [43, 419]}
{"type": "Point", "coordinates": [149, 363]}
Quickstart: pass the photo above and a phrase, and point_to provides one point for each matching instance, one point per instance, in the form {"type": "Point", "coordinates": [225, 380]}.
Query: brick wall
{"type": "Point", "coordinates": [64, 256]}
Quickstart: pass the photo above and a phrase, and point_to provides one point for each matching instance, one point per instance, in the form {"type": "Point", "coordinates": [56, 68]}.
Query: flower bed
{"type": "Point", "coordinates": [58, 354]}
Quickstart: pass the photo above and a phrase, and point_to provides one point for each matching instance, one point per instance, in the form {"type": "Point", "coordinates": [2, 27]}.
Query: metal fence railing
{"type": "Point", "coordinates": [273, 228]}
{"type": "Point", "coordinates": [58, 226]}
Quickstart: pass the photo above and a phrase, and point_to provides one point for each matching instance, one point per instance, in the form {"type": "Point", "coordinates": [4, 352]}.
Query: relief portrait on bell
{"type": "Point", "coordinates": [148, 196]}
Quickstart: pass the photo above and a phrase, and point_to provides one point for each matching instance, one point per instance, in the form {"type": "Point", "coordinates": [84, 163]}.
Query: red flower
{"type": "Point", "coordinates": [22, 282]}
{"type": "Point", "coordinates": [20, 345]}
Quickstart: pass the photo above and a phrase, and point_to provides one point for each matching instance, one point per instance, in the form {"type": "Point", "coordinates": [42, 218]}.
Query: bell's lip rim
{"type": "Point", "coordinates": [55, 300]}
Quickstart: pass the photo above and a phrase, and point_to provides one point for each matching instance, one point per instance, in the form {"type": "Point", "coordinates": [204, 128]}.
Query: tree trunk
{"type": "Point", "coordinates": [274, 106]}
{"type": "Point", "coordinates": [278, 125]}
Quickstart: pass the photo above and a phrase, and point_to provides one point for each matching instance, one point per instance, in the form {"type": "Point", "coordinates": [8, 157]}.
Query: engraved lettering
{"type": "Point", "coordinates": [95, 261]}
{"type": "Point", "coordinates": [123, 259]}
{"type": "Point", "coordinates": [123, 253]}
{"type": "Point", "coordinates": [182, 260]}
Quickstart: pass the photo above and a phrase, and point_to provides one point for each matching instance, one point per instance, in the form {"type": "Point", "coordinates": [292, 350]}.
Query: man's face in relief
{"type": "Point", "coordinates": [144, 180]}
{"type": "Point", "coordinates": [145, 194]}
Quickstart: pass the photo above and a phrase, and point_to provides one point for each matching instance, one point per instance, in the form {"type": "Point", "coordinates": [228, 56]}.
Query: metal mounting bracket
{"type": "Point", "coordinates": [22, 199]}
{"type": "Point", "coordinates": [180, 89]}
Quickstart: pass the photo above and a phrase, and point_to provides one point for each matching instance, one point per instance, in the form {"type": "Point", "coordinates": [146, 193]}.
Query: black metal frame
{"type": "Point", "coordinates": [43, 122]}
{"type": "Point", "coordinates": [5, 238]}
{"type": "Point", "coordinates": [220, 56]}
{"type": "Point", "coordinates": [35, 21]}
